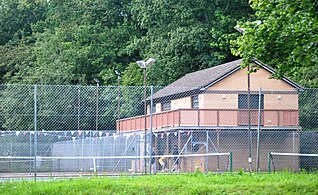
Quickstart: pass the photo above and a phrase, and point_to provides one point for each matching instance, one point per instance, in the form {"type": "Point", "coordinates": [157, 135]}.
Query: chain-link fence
{"type": "Point", "coordinates": [84, 130]}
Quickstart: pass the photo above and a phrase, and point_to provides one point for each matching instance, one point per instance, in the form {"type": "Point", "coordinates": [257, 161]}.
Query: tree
{"type": "Point", "coordinates": [17, 107]}
{"type": "Point", "coordinates": [16, 20]}
{"type": "Point", "coordinates": [133, 75]}
{"type": "Point", "coordinates": [75, 43]}
{"type": "Point", "coordinates": [308, 109]}
{"type": "Point", "coordinates": [284, 36]}
{"type": "Point", "coordinates": [15, 61]}
{"type": "Point", "coordinates": [185, 36]}
{"type": "Point", "coordinates": [17, 17]}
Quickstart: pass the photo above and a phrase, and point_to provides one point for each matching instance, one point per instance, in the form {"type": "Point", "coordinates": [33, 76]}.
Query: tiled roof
{"type": "Point", "coordinates": [197, 80]}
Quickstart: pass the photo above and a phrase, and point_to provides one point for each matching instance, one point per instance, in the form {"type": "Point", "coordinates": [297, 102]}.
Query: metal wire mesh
{"type": "Point", "coordinates": [76, 130]}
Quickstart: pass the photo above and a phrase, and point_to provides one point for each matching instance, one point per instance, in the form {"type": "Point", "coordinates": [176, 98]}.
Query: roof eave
{"type": "Point", "coordinates": [177, 95]}
{"type": "Point", "coordinates": [220, 78]}
{"type": "Point", "coordinates": [271, 70]}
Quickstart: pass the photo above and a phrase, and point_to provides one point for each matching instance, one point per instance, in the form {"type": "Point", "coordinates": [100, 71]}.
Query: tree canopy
{"type": "Point", "coordinates": [283, 34]}
{"type": "Point", "coordinates": [75, 41]}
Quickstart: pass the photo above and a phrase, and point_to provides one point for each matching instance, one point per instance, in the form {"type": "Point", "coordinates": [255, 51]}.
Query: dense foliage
{"type": "Point", "coordinates": [75, 41]}
{"type": "Point", "coordinates": [283, 35]}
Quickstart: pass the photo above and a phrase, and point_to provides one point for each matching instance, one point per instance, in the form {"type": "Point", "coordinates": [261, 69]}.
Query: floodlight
{"type": "Point", "coordinates": [117, 73]}
{"type": "Point", "coordinates": [239, 29]}
{"type": "Point", "coordinates": [150, 61]}
{"type": "Point", "coordinates": [141, 63]}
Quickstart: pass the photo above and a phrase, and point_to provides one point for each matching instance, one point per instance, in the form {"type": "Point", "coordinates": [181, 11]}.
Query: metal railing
{"type": "Point", "coordinates": [210, 117]}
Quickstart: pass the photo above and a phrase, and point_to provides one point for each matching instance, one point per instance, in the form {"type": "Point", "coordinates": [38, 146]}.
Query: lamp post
{"type": "Point", "coordinates": [118, 98]}
{"type": "Point", "coordinates": [241, 30]}
{"type": "Point", "coordinates": [249, 117]}
{"type": "Point", "coordinates": [143, 64]}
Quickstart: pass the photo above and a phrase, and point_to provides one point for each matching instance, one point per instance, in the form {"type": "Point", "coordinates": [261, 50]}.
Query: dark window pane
{"type": "Point", "coordinates": [254, 98]}
{"type": "Point", "coordinates": [154, 108]}
{"type": "Point", "coordinates": [166, 106]}
{"type": "Point", "coordinates": [195, 101]}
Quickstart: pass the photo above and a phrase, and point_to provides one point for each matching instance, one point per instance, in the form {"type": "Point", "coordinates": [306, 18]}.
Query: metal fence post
{"type": "Point", "coordinates": [258, 129]}
{"type": "Point", "coordinates": [30, 152]}
{"type": "Point", "coordinates": [249, 118]}
{"type": "Point", "coordinates": [150, 124]}
{"type": "Point", "coordinates": [35, 132]}
{"type": "Point", "coordinates": [269, 162]}
{"type": "Point", "coordinates": [231, 164]}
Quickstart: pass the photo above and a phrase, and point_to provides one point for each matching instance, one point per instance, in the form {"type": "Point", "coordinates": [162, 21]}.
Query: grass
{"type": "Point", "coordinates": [197, 183]}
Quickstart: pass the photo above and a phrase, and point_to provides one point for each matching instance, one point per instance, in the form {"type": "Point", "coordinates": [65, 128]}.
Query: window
{"type": "Point", "coordinates": [153, 108]}
{"type": "Point", "coordinates": [165, 106]}
{"type": "Point", "coordinates": [195, 101]}
{"type": "Point", "coordinates": [254, 98]}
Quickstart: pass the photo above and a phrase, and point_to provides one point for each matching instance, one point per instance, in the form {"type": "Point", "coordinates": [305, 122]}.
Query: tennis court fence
{"type": "Point", "coordinates": [48, 130]}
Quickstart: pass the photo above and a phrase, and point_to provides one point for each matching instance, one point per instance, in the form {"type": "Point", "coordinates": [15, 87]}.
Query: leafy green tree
{"type": "Point", "coordinates": [308, 109]}
{"type": "Point", "coordinates": [17, 107]}
{"type": "Point", "coordinates": [16, 20]}
{"type": "Point", "coordinates": [17, 17]}
{"type": "Point", "coordinates": [283, 35]}
{"type": "Point", "coordinates": [133, 75]}
{"type": "Point", "coordinates": [77, 42]}
{"type": "Point", "coordinates": [185, 36]}
{"type": "Point", "coordinates": [14, 62]}
{"type": "Point", "coordinates": [91, 37]}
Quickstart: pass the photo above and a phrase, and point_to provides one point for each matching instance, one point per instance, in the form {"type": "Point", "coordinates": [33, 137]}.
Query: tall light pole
{"type": "Point", "coordinates": [118, 98]}
{"type": "Point", "coordinates": [241, 30]}
{"type": "Point", "coordinates": [143, 64]}
{"type": "Point", "coordinates": [249, 117]}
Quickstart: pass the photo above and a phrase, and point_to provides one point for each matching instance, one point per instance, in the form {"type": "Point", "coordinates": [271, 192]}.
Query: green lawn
{"type": "Point", "coordinates": [236, 183]}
